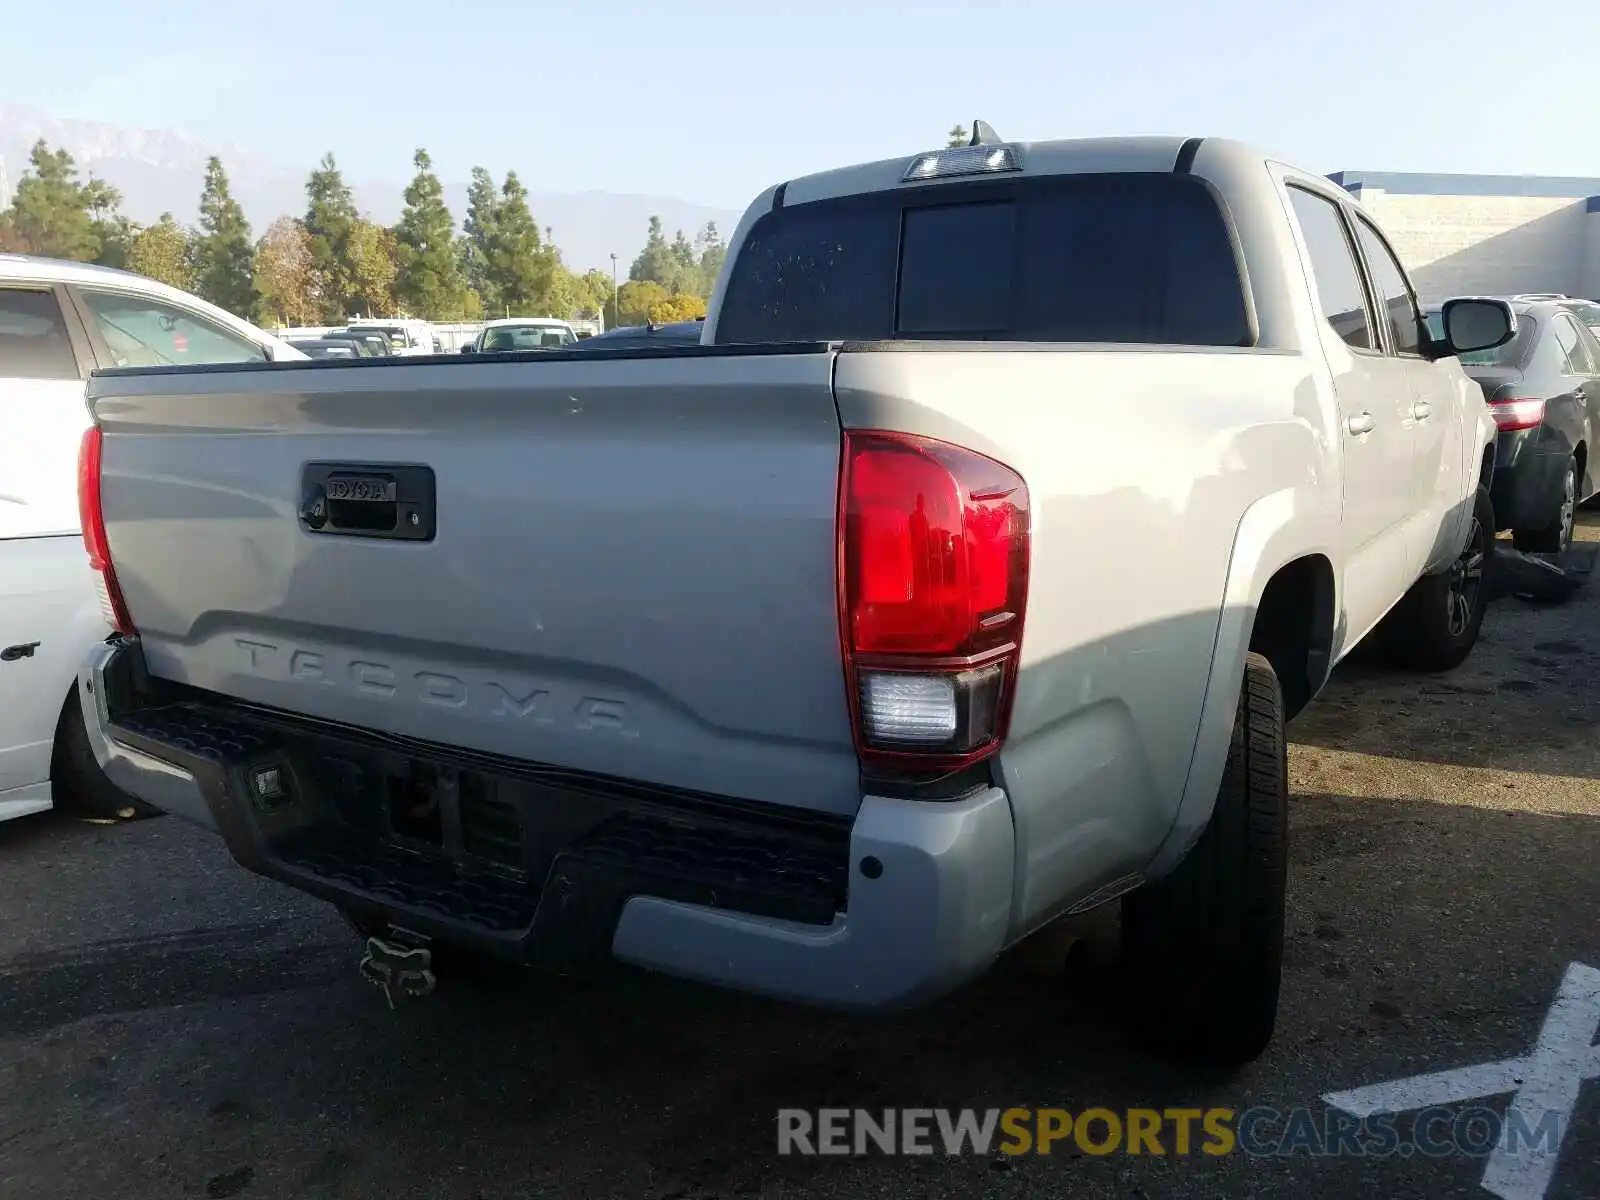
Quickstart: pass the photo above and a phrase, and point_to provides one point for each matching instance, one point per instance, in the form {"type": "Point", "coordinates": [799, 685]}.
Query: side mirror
{"type": "Point", "coordinates": [1472, 323]}
{"type": "Point", "coordinates": [468, 349]}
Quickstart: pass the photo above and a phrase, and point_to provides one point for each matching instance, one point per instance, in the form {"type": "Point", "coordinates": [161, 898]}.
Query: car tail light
{"type": "Point", "coordinates": [92, 516]}
{"type": "Point", "coordinates": [1511, 415]}
{"type": "Point", "coordinates": [933, 581]}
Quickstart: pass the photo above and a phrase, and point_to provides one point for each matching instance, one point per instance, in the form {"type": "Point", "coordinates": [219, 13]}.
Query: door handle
{"type": "Point", "coordinates": [1361, 423]}
{"type": "Point", "coordinates": [1421, 410]}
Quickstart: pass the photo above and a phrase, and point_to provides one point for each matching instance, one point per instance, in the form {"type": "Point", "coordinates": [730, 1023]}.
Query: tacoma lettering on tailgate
{"type": "Point", "coordinates": [517, 700]}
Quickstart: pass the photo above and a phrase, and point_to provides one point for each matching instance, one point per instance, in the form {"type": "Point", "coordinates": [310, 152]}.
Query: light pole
{"type": "Point", "coordinates": [616, 311]}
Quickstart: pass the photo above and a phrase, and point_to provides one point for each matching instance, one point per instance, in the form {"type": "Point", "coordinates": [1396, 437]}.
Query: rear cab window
{"type": "Point", "coordinates": [1128, 257]}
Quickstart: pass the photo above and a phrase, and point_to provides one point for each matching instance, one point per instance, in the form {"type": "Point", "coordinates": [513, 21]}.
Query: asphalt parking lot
{"type": "Point", "coordinates": [170, 1026]}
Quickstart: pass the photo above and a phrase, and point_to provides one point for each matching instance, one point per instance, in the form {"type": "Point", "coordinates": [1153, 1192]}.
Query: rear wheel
{"type": "Point", "coordinates": [1204, 946]}
{"type": "Point", "coordinates": [78, 785]}
{"type": "Point", "coordinates": [1556, 537]}
{"type": "Point", "coordinates": [1436, 623]}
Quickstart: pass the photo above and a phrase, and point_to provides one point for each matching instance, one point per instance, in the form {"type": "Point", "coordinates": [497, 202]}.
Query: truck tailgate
{"type": "Point", "coordinates": [633, 568]}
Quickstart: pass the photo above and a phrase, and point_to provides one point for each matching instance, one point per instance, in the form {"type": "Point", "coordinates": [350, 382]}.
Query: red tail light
{"type": "Point", "coordinates": [92, 518]}
{"type": "Point", "coordinates": [933, 580]}
{"type": "Point", "coordinates": [1511, 415]}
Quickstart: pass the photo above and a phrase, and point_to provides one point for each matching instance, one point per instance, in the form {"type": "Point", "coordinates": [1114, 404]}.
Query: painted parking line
{"type": "Point", "coordinates": [1545, 1086]}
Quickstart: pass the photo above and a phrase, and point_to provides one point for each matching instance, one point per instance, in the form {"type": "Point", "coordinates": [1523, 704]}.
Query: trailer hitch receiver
{"type": "Point", "coordinates": [402, 973]}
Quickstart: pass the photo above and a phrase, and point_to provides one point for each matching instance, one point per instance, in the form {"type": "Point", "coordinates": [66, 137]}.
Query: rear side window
{"type": "Point", "coordinates": [1400, 307]}
{"type": "Point", "coordinates": [142, 332]}
{"type": "Point", "coordinates": [1574, 354]}
{"type": "Point", "coordinates": [33, 337]}
{"type": "Point", "coordinates": [1333, 269]}
{"type": "Point", "coordinates": [1077, 258]}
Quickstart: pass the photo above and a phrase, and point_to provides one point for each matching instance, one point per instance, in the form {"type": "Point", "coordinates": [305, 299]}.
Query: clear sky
{"type": "Point", "coordinates": [711, 101]}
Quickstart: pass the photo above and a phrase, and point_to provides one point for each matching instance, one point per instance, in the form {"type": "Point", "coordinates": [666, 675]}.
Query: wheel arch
{"type": "Point", "coordinates": [1282, 565]}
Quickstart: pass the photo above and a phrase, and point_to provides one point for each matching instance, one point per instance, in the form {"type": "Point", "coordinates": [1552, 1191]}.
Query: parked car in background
{"type": "Point", "coordinates": [1543, 387]}
{"type": "Point", "coordinates": [451, 336]}
{"type": "Point", "coordinates": [407, 335]}
{"type": "Point", "coordinates": [637, 337]}
{"type": "Point", "coordinates": [962, 576]}
{"type": "Point", "coordinates": [1586, 311]}
{"type": "Point", "coordinates": [522, 333]}
{"type": "Point", "coordinates": [374, 342]}
{"type": "Point", "coordinates": [331, 348]}
{"type": "Point", "coordinates": [58, 322]}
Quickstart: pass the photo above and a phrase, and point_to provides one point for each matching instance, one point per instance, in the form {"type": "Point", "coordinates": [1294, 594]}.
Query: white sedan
{"type": "Point", "coordinates": [58, 322]}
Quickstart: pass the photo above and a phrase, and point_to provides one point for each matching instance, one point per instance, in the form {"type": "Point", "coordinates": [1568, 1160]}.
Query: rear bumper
{"type": "Point", "coordinates": [903, 903]}
{"type": "Point", "coordinates": [1529, 473]}
{"type": "Point", "coordinates": [169, 787]}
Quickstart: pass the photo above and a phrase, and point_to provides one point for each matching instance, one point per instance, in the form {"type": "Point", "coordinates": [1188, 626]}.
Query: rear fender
{"type": "Point", "coordinates": [1470, 440]}
{"type": "Point", "coordinates": [1275, 531]}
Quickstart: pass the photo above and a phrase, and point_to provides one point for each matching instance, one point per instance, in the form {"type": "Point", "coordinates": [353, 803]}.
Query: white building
{"type": "Point", "coordinates": [1494, 234]}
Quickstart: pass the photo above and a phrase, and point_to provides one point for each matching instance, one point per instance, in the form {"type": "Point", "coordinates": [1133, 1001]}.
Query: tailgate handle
{"type": "Point", "coordinates": [373, 500]}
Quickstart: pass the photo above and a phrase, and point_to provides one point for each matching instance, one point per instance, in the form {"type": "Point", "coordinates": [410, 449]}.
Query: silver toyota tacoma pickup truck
{"type": "Point", "coordinates": [963, 577]}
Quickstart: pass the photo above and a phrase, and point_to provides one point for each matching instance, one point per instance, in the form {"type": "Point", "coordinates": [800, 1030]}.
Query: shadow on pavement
{"type": "Point", "coordinates": [1421, 936]}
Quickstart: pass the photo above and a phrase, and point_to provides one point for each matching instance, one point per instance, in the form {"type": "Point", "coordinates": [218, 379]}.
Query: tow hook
{"type": "Point", "coordinates": [403, 973]}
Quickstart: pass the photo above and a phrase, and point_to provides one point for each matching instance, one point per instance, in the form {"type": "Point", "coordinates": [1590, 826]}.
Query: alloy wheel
{"type": "Point", "coordinates": [1466, 580]}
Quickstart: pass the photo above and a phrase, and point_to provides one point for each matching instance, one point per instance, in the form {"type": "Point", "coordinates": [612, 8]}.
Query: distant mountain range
{"type": "Point", "coordinates": [160, 170]}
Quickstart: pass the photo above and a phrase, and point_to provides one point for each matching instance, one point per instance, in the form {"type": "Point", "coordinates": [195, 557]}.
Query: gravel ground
{"type": "Point", "coordinates": [170, 1026]}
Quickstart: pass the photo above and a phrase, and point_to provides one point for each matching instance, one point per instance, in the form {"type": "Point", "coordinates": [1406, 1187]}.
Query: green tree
{"type": "Point", "coordinates": [53, 214]}
{"type": "Point", "coordinates": [371, 253]}
{"type": "Point", "coordinates": [117, 237]}
{"type": "Point", "coordinates": [636, 298]}
{"type": "Point", "coordinates": [222, 254]}
{"type": "Point", "coordinates": [655, 263]}
{"type": "Point", "coordinates": [477, 235]}
{"type": "Point", "coordinates": [330, 223]}
{"type": "Point", "coordinates": [116, 232]}
{"type": "Point", "coordinates": [680, 307]}
{"type": "Point", "coordinates": [161, 252]}
{"type": "Point", "coordinates": [285, 275]}
{"type": "Point", "coordinates": [518, 270]}
{"type": "Point", "coordinates": [562, 298]}
{"type": "Point", "coordinates": [712, 255]}
{"type": "Point", "coordinates": [683, 255]}
{"type": "Point", "coordinates": [959, 135]}
{"type": "Point", "coordinates": [593, 290]}
{"type": "Point", "coordinates": [430, 282]}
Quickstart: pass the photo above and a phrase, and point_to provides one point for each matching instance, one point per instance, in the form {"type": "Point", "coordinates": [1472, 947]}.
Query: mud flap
{"type": "Point", "coordinates": [1543, 578]}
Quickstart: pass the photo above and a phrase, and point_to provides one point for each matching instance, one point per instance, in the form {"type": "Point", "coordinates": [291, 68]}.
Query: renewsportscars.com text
{"type": "Point", "coordinates": [1316, 1133]}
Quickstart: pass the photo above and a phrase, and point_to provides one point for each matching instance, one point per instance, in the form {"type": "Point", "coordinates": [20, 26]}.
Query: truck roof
{"type": "Point", "coordinates": [1059, 157]}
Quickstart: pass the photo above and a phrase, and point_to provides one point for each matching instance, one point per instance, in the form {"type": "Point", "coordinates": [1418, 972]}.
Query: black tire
{"type": "Point", "coordinates": [1556, 537]}
{"type": "Point", "coordinates": [1203, 948]}
{"type": "Point", "coordinates": [78, 785]}
{"type": "Point", "coordinates": [1436, 623]}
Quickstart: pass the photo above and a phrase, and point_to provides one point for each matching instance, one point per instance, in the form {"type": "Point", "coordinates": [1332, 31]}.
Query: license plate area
{"type": "Point", "coordinates": [457, 812]}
